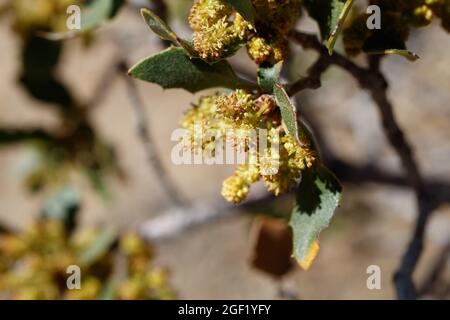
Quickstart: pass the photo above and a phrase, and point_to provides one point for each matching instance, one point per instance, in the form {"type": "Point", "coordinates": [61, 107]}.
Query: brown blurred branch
{"type": "Point", "coordinates": [403, 277]}
{"type": "Point", "coordinates": [146, 138]}
{"type": "Point", "coordinates": [312, 81]}
{"type": "Point", "coordinates": [105, 83]}
{"type": "Point", "coordinates": [435, 272]}
{"type": "Point", "coordinates": [12, 135]}
{"type": "Point", "coordinates": [373, 80]}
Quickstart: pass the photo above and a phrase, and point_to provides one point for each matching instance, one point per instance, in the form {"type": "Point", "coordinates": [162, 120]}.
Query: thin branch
{"type": "Point", "coordinates": [364, 76]}
{"type": "Point", "coordinates": [105, 83]}
{"type": "Point", "coordinates": [374, 81]}
{"type": "Point", "coordinates": [11, 136]}
{"type": "Point", "coordinates": [403, 276]}
{"type": "Point", "coordinates": [175, 221]}
{"type": "Point", "coordinates": [312, 81]}
{"type": "Point", "coordinates": [435, 272]}
{"type": "Point", "coordinates": [147, 140]}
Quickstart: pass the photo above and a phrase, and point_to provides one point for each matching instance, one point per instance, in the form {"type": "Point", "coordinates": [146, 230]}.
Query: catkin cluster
{"type": "Point", "coordinates": [33, 265]}
{"type": "Point", "coordinates": [219, 30]}
{"type": "Point", "coordinates": [231, 117]}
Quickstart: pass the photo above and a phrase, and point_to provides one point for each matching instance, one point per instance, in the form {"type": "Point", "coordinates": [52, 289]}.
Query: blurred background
{"type": "Point", "coordinates": [121, 175]}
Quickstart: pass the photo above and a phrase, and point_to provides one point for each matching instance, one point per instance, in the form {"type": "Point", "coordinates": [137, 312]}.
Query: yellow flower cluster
{"type": "Point", "coordinates": [220, 30]}
{"type": "Point", "coordinates": [45, 15]}
{"type": "Point", "coordinates": [274, 20]}
{"type": "Point", "coordinates": [33, 265]}
{"type": "Point", "coordinates": [288, 162]}
{"type": "Point", "coordinates": [279, 164]}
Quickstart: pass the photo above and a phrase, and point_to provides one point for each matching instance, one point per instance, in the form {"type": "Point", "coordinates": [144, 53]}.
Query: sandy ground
{"type": "Point", "coordinates": [371, 228]}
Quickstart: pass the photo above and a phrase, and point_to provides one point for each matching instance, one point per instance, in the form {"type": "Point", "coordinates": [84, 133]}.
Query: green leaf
{"type": "Point", "coordinates": [63, 205]}
{"type": "Point", "coordinates": [109, 289]}
{"type": "Point", "coordinates": [98, 247]}
{"type": "Point", "coordinates": [158, 26]}
{"type": "Point", "coordinates": [318, 196]}
{"type": "Point", "coordinates": [244, 8]}
{"type": "Point", "coordinates": [99, 11]}
{"type": "Point", "coordinates": [40, 58]}
{"type": "Point", "coordinates": [173, 68]}
{"type": "Point", "coordinates": [94, 14]}
{"type": "Point", "coordinates": [411, 56]}
{"type": "Point", "coordinates": [98, 182]}
{"type": "Point", "coordinates": [268, 75]}
{"type": "Point", "coordinates": [330, 15]}
{"type": "Point", "coordinates": [288, 113]}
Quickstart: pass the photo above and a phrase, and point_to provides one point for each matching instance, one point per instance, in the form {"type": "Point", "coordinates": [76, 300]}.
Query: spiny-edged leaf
{"type": "Point", "coordinates": [244, 8]}
{"type": "Point", "coordinates": [268, 75]}
{"type": "Point", "coordinates": [411, 56]}
{"type": "Point", "coordinates": [330, 15]}
{"type": "Point", "coordinates": [288, 113]}
{"type": "Point", "coordinates": [158, 26]}
{"type": "Point", "coordinates": [318, 196]}
{"type": "Point", "coordinates": [98, 247]}
{"type": "Point", "coordinates": [173, 68]}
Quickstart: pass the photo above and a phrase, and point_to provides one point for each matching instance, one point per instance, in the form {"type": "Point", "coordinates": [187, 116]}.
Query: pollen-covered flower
{"type": "Point", "coordinates": [278, 15]}
{"type": "Point", "coordinates": [203, 118]}
{"type": "Point", "coordinates": [260, 49]}
{"type": "Point", "coordinates": [239, 106]}
{"type": "Point", "coordinates": [237, 112]}
{"type": "Point", "coordinates": [219, 30]}
{"type": "Point", "coordinates": [236, 188]}
{"type": "Point", "coordinates": [273, 21]}
{"type": "Point", "coordinates": [237, 118]}
{"type": "Point", "coordinates": [292, 159]}
{"type": "Point", "coordinates": [205, 13]}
